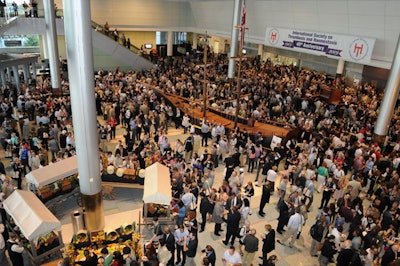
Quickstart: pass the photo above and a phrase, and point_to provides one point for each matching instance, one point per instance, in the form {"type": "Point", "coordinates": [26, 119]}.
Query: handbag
{"type": "Point", "coordinates": [193, 206]}
{"type": "Point", "coordinates": [307, 192]}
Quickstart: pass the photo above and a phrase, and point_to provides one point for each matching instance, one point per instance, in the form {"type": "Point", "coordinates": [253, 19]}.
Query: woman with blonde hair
{"type": "Point", "coordinates": [322, 175]}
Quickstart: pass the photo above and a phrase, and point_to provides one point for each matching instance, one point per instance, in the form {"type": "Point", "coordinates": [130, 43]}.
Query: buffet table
{"type": "Point", "coordinates": [114, 240]}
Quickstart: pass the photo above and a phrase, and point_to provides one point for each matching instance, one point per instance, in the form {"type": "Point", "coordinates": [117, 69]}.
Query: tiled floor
{"type": "Point", "coordinates": [125, 209]}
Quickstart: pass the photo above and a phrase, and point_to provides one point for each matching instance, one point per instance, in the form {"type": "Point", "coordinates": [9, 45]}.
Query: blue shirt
{"type": "Point", "coordinates": [179, 235]}
{"type": "Point", "coordinates": [310, 186]}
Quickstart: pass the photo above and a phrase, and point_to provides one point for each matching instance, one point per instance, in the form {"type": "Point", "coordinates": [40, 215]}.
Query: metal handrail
{"type": "Point", "coordinates": [99, 28]}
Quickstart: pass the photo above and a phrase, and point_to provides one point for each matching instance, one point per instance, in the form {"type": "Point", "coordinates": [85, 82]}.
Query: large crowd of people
{"type": "Point", "coordinates": [333, 155]}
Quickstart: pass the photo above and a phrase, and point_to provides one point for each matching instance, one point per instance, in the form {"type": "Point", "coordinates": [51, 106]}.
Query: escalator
{"type": "Point", "coordinates": [107, 53]}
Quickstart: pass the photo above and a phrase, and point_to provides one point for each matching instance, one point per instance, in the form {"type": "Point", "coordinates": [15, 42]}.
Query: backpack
{"type": "Point", "coordinates": [24, 155]}
{"type": "Point", "coordinates": [314, 230]}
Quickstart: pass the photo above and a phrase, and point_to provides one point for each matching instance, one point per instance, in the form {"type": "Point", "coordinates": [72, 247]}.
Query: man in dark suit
{"type": "Point", "coordinates": [283, 218]}
{"type": "Point", "coordinates": [169, 241]}
{"type": "Point", "coordinates": [232, 222]}
{"type": "Point", "coordinates": [390, 255]}
{"type": "Point", "coordinates": [236, 157]}
{"type": "Point", "coordinates": [233, 201]}
{"type": "Point", "coordinates": [268, 243]}
{"type": "Point", "coordinates": [230, 166]}
{"type": "Point", "coordinates": [265, 196]}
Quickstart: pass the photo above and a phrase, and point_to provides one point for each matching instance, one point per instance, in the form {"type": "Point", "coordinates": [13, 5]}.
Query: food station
{"type": "Point", "coordinates": [157, 194]}
{"type": "Point", "coordinates": [55, 182]}
{"type": "Point", "coordinates": [37, 228]}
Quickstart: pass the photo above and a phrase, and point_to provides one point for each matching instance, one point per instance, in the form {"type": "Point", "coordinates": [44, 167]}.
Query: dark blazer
{"type": "Point", "coordinates": [169, 241]}
{"type": "Point", "coordinates": [269, 242]}
{"type": "Point", "coordinates": [204, 205]}
{"type": "Point", "coordinates": [388, 257]}
{"type": "Point", "coordinates": [212, 258]}
{"type": "Point", "coordinates": [345, 257]}
{"type": "Point", "coordinates": [266, 193]}
{"type": "Point", "coordinates": [192, 248]}
{"type": "Point", "coordinates": [239, 203]}
{"type": "Point", "coordinates": [232, 222]}
{"type": "Point", "coordinates": [284, 213]}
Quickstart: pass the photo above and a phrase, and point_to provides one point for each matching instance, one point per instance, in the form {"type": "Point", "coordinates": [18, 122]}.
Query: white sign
{"type": "Point", "coordinates": [274, 142]}
{"type": "Point", "coordinates": [348, 48]}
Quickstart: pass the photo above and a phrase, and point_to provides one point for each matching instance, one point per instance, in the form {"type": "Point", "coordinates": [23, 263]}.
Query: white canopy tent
{"type": "Point", "coordinates": [30, 214]}
{"type": "Point", "coordinates": [53, 172]}
{"type": "Point", "coordinates": [157, 185]}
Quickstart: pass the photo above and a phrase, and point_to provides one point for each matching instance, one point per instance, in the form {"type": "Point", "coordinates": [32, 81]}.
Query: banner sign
{"type": "Point", "coordinates": [348, 48]}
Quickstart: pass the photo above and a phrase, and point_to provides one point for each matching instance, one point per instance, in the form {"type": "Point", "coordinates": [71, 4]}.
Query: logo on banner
{"type": "Point", "coordinates": [273, 36]}
{"type": "Point", "coordinates": [358, 49]}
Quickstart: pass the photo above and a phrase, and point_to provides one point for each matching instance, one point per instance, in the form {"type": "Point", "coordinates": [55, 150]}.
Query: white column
{"type": "Point", "coordinates": [260, 50]}
{"type": "Point", "coordinates": [340, 68]}
{"type": "Point", "coordinates": [195, 36]}
{"type": "Point", "coordinates": [26, 73]}
{"type": "Point", "coordinates": [16, 77]}
{"type": "Point", "coordinates": [3, 78]}
{"type": "Point", "coordinates": [78, 35]}
{"type": "Point", "coordinates": [234, 38]}
{"type": "Point", "coordinates": [34, 71]}
{"type": "Point", "coordinates": [389, 98]}
{"type": "Point", "coordinates": [9, 79]}
{"type": "Point", "coordinates": [170, 43]}
{"type": "Point", "coordinates": [51, 33]}
{"type": "Point", "coordinates": [45, 47]}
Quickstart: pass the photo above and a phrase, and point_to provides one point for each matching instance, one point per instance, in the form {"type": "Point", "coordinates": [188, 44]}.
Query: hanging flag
{"type": "Point", "coordinates": [243, 24]}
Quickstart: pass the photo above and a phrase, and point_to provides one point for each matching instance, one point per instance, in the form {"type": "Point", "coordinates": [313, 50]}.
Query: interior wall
{"type": "Point", "coordinates": [138, 38]}
{"type": "Point", "coordinates": [220, 48]}
{"type": "Point", "coordinates": [124, 14]}
{"type": "Point", "coordinates": [62, 49]}
{"type": "Point", "coordinates": [378, 19]}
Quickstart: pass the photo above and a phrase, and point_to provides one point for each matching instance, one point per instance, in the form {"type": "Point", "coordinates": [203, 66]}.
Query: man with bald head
{"type": "Point", "coordinates": [390, 255]}
{"type": "Point", "coordinates": [346, 255]}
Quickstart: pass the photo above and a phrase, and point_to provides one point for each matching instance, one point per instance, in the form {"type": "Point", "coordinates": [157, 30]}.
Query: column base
{"type": "Point", "coordinates": [380, 139]}
{"type": "Point", "coordinates": [94, 211]}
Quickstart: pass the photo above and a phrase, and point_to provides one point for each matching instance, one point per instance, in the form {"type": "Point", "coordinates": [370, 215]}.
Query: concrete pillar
{"type": "Point", "coordinates": [3, 78]}
{"type": "Point", "coordinates": [78, 35]}
{"type": "Point", "coordinates": [389, 99]}
{"type": "Point", "coordinates": [34, 71]}
{"type": "Point", "coordinates": [234, 38]}
{"type": "Point", "coordinates": [26, 73]}
{"type": "Point", "coordinates": [9, 74]}
{"type": "Point", "coordinates": [16, 77]}
{"type": "Point", "coordinates": [170, 43]}
{"type": "Point", "coordinates": [340, 68]}
{"type": "Point", "coordinates": [51, 33]}
{"type": "Point", "coordinates": [260, 50]}
{"type": "Point", "coordinates": [195, 36]}
{"type": "Point", "coordinates": [45, 47]}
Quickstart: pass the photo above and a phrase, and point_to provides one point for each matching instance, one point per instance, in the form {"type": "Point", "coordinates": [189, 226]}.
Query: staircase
{"type": "Point", "coordinates": [5, 25]}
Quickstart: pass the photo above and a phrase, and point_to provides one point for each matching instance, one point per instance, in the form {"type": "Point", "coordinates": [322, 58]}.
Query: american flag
{"type": "Point", "coordinates": [243, 24]}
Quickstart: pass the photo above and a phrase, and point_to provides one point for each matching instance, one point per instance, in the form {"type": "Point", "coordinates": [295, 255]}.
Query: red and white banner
{"type": "Point", "coordinates": [349, 48]}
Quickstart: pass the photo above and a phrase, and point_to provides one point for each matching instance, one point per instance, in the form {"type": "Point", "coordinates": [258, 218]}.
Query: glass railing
{"type": "Point", "coordinates": [100, 28]}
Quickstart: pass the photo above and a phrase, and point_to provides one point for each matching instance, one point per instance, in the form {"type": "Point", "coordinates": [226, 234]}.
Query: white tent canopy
{"type": "Point", "coordinates": [30, 214]}
{"type": "Point", "coordinates": [53, 172]}
{"type": "Point", "coordinates": [157, 185]}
